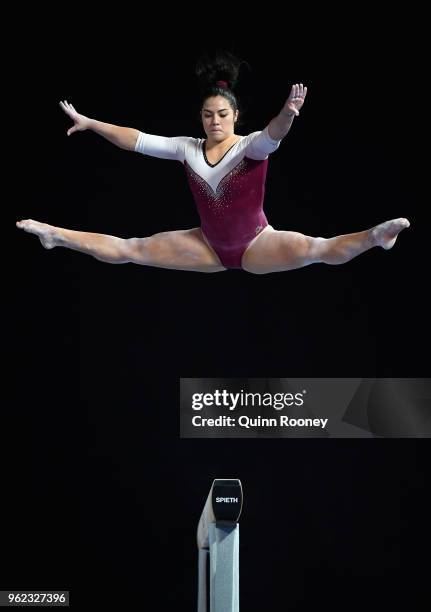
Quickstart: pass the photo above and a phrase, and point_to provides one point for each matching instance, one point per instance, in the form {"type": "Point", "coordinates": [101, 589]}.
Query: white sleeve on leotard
{"type": "Point", "coordinates": [260, 145]}
{"type": "Point", "coordinates": [162, 146]}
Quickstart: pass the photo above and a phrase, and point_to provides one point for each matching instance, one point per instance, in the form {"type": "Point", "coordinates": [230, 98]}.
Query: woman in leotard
{"type": "Point", "coordinates": [226, 173]}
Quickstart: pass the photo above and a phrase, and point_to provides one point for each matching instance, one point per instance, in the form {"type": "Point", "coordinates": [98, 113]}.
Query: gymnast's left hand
{"type": "Point", "coordinates": [295, 100]}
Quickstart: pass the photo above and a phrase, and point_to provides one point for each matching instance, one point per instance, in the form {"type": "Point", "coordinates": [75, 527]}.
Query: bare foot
{"type": "Point", "coordinates": [386, 233]}
{"type": "Point", "coordinates": [45, 232]}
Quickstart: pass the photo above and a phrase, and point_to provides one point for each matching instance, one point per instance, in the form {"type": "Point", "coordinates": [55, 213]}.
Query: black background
{"type": "Point", "coordinates": [106, 497]}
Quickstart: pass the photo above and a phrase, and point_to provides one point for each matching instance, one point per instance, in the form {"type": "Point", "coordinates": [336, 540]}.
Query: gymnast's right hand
{"type": "Point", "coordinates": [80, 121]}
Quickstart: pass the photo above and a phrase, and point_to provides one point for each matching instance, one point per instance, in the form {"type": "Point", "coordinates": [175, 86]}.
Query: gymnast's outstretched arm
{"type": "Point", "coordinates": [129, 138]}
{"type": "Point", "coordinates": [122, 137]}
{"type": "Point", "coordinates": [280, 125]}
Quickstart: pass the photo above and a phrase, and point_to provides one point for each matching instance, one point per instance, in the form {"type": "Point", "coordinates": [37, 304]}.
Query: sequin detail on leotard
{"type": "Point", "coordinates": [220, 199]}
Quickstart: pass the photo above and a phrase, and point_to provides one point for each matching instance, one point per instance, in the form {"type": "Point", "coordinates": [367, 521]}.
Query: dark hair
{"type": "Point", "coordinates": [222, 65]}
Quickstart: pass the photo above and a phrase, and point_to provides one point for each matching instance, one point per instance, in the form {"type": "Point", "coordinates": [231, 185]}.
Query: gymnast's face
{"type": "Point", "coordinates": [218, 118]}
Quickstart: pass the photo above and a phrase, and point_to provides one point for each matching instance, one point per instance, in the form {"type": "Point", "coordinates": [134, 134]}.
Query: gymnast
{"type": "Point", "coordinates": [226, 173]}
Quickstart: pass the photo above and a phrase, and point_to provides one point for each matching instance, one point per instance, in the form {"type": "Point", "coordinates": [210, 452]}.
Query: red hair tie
{"type": "Point", "coordinates": [222, 84]}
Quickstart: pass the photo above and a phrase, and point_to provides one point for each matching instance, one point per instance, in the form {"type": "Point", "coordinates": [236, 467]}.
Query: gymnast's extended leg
{"type": "Point", "coordinates": [277, 251]}
{"type": "Point", "coordinates": [177, 250]}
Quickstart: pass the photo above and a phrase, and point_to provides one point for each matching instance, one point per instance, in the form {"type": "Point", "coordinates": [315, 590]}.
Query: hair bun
{"type": "Point", "coordinates": [218, 69]}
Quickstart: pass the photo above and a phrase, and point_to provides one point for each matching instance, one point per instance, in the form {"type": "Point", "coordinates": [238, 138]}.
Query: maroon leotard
{"type": "Point", "coordinates": [229, 195]}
